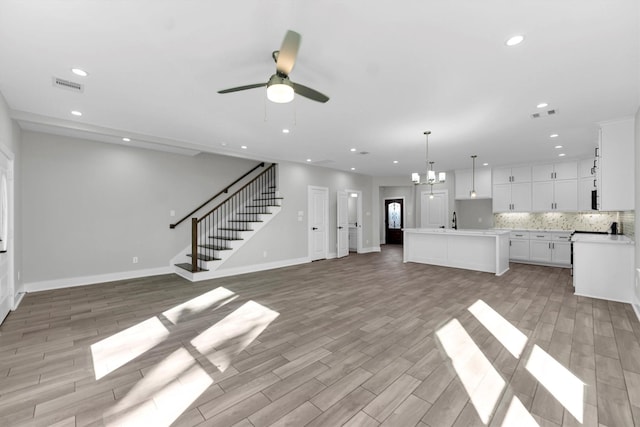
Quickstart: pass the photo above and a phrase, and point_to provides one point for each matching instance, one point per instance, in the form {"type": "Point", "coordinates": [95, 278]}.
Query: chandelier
{"type": "Point", "coordinates": [431, 177]}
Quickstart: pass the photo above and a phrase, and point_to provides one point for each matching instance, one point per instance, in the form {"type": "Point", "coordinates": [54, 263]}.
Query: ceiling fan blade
{"type": "Point", "coordinates": [239, 88]}
{"type": "Point", "coordinates": [307, 92]}
{"type": "Point", "coordinates": [288, 52]}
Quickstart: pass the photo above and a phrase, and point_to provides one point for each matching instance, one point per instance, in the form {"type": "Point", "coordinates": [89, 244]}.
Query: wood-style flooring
{"type": "Point", "coordinates": [360, 341]}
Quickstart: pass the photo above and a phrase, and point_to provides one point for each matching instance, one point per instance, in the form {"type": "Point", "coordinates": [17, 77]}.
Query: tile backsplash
{"type": "Point", "coordinates": [628, 222]}
{"type": "Point", "coordinates": [587, 221]}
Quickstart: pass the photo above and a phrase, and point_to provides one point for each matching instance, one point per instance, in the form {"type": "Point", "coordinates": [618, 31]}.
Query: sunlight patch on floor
{"type": "Point", "coordinates": [121, 348]}
{"type": "Point", "coordinates": [216, 297]}
{"type": "Point", "coordinates": [231, 335]}
{"type": "Point", "coordinates": [163, 394]}
{"type": "Point", "coordinates": [508, 335]}
{"type": "Point", "coordinates": [558, 380]}
{"type": "Point", "coordinates": [518, 416]}
{"type": "Point", "coordinates": [483, 383]}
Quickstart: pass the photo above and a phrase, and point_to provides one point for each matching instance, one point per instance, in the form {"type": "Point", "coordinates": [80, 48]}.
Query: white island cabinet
{"type": "Point", "coordinates": [603, 266]}
{"type": "Point", "coordinates": [480, 250]}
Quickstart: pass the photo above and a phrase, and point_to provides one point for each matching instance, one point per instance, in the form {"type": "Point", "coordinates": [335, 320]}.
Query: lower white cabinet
{"type": "Point", "coordinates": [519, 246]}
{"type": "Point", "coordinates": [541, 247]}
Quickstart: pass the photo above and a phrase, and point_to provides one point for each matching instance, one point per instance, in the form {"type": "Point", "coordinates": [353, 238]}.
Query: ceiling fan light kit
{"type": "Point", "coordinates": [279, 90]}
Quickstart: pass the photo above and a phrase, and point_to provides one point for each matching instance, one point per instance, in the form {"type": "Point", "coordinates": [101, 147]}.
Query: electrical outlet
{"type": "Point", "coordinates": [135, 259]}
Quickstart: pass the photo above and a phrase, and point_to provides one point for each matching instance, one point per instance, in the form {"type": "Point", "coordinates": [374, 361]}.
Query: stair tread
{"type": "Point", "coordinates": [203, 257]}
{"type": "Point", "coordinates": [243, 220]}
{"type": "Point", "coordinates": [253, 213]}
{"type": "Point", "coordinates": [214, 247]}
{"type": "Point", "coordinates": [235, 229]}
{"type": "Point", "coordinates": [224, 238]}
{"type": "Point", "coordinates": [189, 267]}
{"type": "Point", "coordinates": [269, 198]}
{"type": "Point", "coordinates": [262, 206]}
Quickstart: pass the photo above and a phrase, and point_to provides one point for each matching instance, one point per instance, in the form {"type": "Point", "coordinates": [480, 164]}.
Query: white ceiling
{"type": "Point", "coordinates": [392, 69]}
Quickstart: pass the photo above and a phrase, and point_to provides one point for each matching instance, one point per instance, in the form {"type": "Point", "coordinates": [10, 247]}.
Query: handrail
{"type": "Point", "coordinates": [225, 190]}
{"type": "Point", "coordinates": [229, 217]}
{"type": "Point", "coordinates": [273, 165]}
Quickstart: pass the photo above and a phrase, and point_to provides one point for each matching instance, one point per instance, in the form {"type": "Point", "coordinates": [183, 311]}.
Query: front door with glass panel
{"type": "Point", "coordinates": [393, 221]}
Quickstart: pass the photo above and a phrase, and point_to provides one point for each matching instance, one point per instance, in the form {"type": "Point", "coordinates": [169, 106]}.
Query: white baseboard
{"type": "Point", "coordinates": [370, 249]}
{"type": "Point", "coordinates": [17, 300]}
{"type": "Point", "coordinates": [92, 280]}
{"type": "Point", "coordinates": [225, 272]}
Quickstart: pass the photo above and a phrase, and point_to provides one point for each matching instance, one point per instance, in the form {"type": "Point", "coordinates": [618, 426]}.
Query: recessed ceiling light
{"type": "Point", "coordinates": [126, 139]}
{"type": "Point", "coordinates": [515, 40]}
{"type": "Point", "coordinates": [79, 72]}
{"type": "Point", "coordinates": [353, 149]}
{"type": "Point", "coordinates": [553, 135]}
{"type": "Point", "coordinates": [561, 155]}
{"type": "Point", "coordinates": [308, 160]}
{"type": "Point", "coordinates": [542, 105]}
{"type": "Point", "coordinates": [353, 169]}
{"type": "Point", "coordinates": [76, 113]}
{"type": "Point", "coordinates": [285, 130]}
{"type": "Point", "coordinates": [395, 161]}
{"type": "Point", "coordinates": [224, 144]}
{"type": "Point", "coordinates": [244, 147]}
{"type": "Point", "coordinates": [485, 164]}
{"type": "Point", "coordinates": [558, 146]}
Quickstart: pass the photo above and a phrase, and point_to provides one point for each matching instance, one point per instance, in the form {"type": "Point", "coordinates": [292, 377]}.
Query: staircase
{"type": "Point", "coordinates": [222, 231]}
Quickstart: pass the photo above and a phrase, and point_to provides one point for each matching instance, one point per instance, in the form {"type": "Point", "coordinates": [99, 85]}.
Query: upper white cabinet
{"type": "Point", "coordinates": [464, 183]}
{"type": "Point", "coordinates": [555, 171]}
{"type": "Point", "coordinates": [511, 175]}
{"type": "Point", "coordinates": [586, 182]}
{"type": "Point", "coordinates": [512, 189]}
{"type": "Point", "coordinates": [555, 187]}
{"type": "Point", "coordinates": [616, 166]}
{"type": "Point", "coordinates": [512, 197]}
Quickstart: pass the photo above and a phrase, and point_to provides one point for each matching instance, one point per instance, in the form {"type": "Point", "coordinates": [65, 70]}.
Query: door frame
{"type": "Point", "coordinates": [325, 190]}
{"type": "Point", "coordinates": [14, 295]}
{"type": "Point", "coordinates": [446, 194]}
{"type": "Point", "coordinates": [383, 238]}
{"type": "Point", "coordinates": [358, 219]}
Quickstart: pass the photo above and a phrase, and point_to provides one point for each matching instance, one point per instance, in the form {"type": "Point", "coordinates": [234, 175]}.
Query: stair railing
{"type": "Point", "coordinates": [223, 191]}
{"type": "Point", "coordinates": [222, 224]}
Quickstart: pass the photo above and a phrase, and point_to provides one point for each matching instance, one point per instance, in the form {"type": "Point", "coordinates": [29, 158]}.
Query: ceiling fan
{"type": "Point", "coordinates": [279, 88]}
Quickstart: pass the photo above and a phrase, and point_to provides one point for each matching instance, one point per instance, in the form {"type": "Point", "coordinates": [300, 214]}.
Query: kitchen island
{"type": "Point", "coordinates": [480, 250]}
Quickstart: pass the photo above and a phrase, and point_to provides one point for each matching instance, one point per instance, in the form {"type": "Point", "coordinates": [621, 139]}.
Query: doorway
{"type": "Point", "coordinates": [393, 221]}
{"type": "Point", "coordinates": [434, 209]}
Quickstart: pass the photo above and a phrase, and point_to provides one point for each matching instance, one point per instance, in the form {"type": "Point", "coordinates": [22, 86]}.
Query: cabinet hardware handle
{"type": "Point", "coordinates": [594, 183]}
{"type": "Point", "coordinates": [594, 163]}
{"type": "Point", "coordinates": [537, 235]}
{"type": "Point", "coordinates": [314, 228]}
{"type": "Point", "coordinates": [593, 170]}
{"type": "Point", "coordinates": [549, 245]}
{"type": "Point", "coordinates": [553, 245]}
{"type": "Point", "coordinates": [597, 154]}
{"type": "Point", "coordinates": [509, 242]}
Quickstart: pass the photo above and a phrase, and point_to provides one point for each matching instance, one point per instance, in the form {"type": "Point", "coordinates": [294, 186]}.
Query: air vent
{"type": "Point", "coordinates": [364, 153]}
{"type": "Point", "coordinates": [549, 113]}
{"type": "Point", "coordinates": [68, 85]}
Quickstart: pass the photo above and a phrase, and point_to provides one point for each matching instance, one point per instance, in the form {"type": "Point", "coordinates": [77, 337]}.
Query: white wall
{"type": "Point", "coordinates": [10, 136]}
{"type": "Point", "coordinates": [636, 294]}
{"type": "Point", "coordinates": [90, 207]}
{"type": "Point", "coordinates": [285, 238]}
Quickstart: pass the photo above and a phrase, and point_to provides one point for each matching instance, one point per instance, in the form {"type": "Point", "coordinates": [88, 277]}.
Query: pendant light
{"type": "Point", "coordinates": [472, 193]}
{"type": "Point", "coordinates": [431, 177]}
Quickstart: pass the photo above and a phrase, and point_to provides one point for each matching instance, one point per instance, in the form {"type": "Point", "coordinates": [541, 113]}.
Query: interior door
{"type": "Point", "coordinates": [343, 224]}
{"type": "Point", "coordinates": [434, 211]}
{"type": "Point", "coordinates": [393, 222]}
{"type": "Point", "coordinates": [318, 220]}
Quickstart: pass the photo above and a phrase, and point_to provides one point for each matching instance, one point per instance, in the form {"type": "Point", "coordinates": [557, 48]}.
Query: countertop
{"type": "Point", "coordinates": [539, 230]}
{"type": "Point", "coordinates": [459, 232]}
{"type": "Point", "coordinates": [617, 239]}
